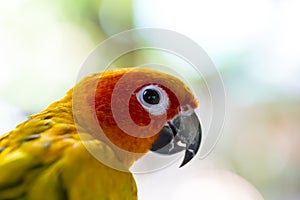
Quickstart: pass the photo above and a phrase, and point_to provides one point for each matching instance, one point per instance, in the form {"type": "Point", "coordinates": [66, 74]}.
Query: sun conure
{"type": "Point", "coordinates": [82, 146]}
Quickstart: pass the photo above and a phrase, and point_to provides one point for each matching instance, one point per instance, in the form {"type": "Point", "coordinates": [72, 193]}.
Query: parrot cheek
{"type": "Point", "coordinates": [183, 132]}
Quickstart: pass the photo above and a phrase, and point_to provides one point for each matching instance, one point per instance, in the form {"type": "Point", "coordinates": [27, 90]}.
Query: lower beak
{"type": "Point", "coordinates": [183, 132]}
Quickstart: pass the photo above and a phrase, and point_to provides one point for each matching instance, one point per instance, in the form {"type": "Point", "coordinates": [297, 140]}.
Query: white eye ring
{"type": "Point", "coordinates": [154, 109]}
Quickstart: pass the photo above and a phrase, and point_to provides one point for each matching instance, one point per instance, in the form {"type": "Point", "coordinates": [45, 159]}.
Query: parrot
{"type": "Point", "coordinates": [82, 146]}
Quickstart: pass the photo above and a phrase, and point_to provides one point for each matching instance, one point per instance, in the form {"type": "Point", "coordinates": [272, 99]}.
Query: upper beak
{"type": "Point", "coordinates": [183, 132]}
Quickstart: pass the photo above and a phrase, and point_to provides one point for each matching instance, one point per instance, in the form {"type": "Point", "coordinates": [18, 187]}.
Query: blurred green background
{"type": "Point", "coordinates": [255, 45]}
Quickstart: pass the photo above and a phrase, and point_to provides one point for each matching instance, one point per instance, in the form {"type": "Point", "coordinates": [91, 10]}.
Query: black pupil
{"type": "Point", "coordinates": [151, 96]}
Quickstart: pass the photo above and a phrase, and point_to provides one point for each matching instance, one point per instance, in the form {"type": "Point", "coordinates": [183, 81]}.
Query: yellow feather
{"type": "Point", "coordinates": [44, 158]}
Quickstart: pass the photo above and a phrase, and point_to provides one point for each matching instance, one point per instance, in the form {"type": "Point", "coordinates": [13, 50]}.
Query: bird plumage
{"type": "Point", "coordinates": [44, 158]}
{"type": "Point", "coordinates": [48, 156]}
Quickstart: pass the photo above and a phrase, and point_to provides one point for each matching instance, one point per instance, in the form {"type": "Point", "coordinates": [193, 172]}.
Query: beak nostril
{"type": "Point", "coordinates": [187, 110]}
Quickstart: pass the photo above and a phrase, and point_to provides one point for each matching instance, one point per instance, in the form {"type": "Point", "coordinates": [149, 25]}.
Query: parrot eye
{"type": "Point", "coordinates": [154, 99]}
{"type": "Point", "coordinates": [151, 96]}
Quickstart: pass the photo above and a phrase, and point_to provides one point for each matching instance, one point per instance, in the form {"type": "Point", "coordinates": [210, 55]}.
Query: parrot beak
{"type": "Point", "coordinates": [183, 132]}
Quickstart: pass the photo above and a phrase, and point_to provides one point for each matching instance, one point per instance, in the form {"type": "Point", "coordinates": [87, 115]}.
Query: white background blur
{"type": "Point", "coordinates": [255, 45]}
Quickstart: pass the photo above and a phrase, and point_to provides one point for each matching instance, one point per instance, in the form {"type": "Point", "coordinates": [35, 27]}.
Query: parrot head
{"type": "Point", "coordinates": [141, 110]}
